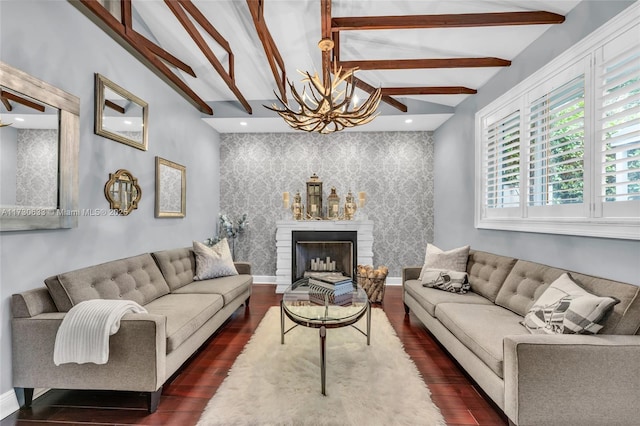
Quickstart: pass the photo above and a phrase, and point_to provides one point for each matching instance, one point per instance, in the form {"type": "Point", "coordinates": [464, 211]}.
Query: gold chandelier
{"type": "Point", "coordinates": [328, 106]}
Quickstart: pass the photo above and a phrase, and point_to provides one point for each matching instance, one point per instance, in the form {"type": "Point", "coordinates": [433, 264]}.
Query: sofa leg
{"type": "Point", "coordinates": [406, 309]}
{"type": "Point", "coordinates": [25, 396]}
{"type": "Point", "coordinates": [153, 399]}
{"type": "Point", "coordinates": [246, 302]}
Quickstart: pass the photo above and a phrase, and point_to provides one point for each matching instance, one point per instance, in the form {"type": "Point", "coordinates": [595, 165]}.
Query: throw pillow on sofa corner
{"type": "Point", "coordinates": [451, 281]}
{"type": "Point", "coordinates": [213, 262]}
{"type": "Point", "coordinates": [451, 260]}
{"type": "Point", "coordinates": [566, 308]}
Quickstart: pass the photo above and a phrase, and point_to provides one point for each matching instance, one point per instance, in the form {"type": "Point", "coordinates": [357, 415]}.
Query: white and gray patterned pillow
{"type": "Point", "coordinates": [566, 308]}
{"type": "Point", "coordinates": [451, 281]}
{"type": "Point", "coordinates": [452, 260]}
{"type": "Point", "coordinates": [213, 262]}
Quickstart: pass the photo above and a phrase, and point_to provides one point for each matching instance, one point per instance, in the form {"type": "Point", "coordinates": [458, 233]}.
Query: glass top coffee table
{"type": "Point", "coordinates": [306, 306]}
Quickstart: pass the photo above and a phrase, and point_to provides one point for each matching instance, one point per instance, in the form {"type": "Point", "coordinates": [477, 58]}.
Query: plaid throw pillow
{"type": "Point", "coordinates": [566, 308]}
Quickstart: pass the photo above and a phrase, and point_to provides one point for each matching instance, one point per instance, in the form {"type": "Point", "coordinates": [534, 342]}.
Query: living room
{"type": "Point", "coordinates": [420, 185]}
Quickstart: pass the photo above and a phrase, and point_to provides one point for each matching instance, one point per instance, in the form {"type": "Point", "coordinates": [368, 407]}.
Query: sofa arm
{"type": "Point", "coordinates": [411, 273]}
{"type": "Point", "coordinates": [243, 268]}
{"type": "Point", "coordinates": [572, 379]}
{"type": "Point", "coordinates": [137, 356]}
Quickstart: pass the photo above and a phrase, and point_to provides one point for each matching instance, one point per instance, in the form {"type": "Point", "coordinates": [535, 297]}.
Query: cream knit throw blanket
{"type": "Point", "coordinates": [84, 333]}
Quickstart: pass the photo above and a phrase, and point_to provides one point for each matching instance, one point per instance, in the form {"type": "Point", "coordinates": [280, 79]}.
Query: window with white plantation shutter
{"type": "Point", "coordinates": [560, 152]}
{"type": "Point", "coordinates": [618, 126]}
{"type": "Point", "coordinates": [556, 144]}
{"type": "Point", "coordinates": [501, 162]}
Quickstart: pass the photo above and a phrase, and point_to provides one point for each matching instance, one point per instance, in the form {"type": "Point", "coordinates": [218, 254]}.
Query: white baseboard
{"type": "Point", "coordinates": [9, 402]}
{"type": "Point", "coordinates": [264, 279]}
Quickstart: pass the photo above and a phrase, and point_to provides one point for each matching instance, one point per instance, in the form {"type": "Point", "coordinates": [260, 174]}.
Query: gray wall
{"type": "Point", "coordinates": [395, 169]}
{"type": "Point", "coordinates": [53, 41]}
{"type": "Point", "coordinates": [454, 186]}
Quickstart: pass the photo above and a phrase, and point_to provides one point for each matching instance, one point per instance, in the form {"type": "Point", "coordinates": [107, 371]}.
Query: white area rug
{"type": "Point", "coordinates": [274, 384]}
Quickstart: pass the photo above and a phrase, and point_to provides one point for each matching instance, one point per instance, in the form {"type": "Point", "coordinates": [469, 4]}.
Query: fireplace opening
{"type": "Point", "coordinates": [323, 251]}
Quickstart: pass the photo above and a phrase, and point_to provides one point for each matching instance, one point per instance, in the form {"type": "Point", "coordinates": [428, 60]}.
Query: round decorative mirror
{"type": "Point", "coordinates": [122, 191]}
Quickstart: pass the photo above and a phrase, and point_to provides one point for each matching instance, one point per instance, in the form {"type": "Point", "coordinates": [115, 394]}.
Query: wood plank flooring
{"type": "Point", "coordinates": [185, 396]}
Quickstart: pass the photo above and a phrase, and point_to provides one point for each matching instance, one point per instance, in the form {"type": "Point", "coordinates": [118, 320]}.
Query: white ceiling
{"type": "Point", "coordinates": [295, 27]}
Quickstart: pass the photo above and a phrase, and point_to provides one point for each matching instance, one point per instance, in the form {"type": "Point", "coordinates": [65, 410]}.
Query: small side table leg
{"type": "Point", "coordinates": [323, 360]}
{"type": "Point", "coordinates": [368, 323]}
{"type": "Point", "coordinates": [281, 324]}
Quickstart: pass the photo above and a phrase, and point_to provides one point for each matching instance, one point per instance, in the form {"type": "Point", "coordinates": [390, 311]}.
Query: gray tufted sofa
{"type": "Point", "coordinates": [535, 379]}
{"type": "Point", "coordinates": [148, 348]}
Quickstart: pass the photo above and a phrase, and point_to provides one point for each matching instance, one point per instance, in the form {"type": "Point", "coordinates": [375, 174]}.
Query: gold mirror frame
{"type": "Point", "coordinates": [122, 192]}
{"type": "Point", "coordinates": [66, 213]}
{"type": "Point", "coordinates": [166, 187]}
{"type": "Point", "coordinates": [128, 99]}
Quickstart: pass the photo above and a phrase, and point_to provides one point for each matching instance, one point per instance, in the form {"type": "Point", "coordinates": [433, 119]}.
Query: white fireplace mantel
{"type": "Point", "coordinates": [284, 250]}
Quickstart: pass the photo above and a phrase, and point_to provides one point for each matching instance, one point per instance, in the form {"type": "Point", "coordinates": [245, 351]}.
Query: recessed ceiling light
{"type": "Point", "coordinates": [243, 123]}
{"type": "Point", "coordinates": [408, 121]}
{"type": "Point", "coordinates": [19, 119]}
{"type": "Point", "coordinates": [127, 122]}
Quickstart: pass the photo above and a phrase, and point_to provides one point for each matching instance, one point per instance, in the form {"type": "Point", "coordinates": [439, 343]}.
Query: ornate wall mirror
{"type": "Point", "coordinates": [39, 140]}
{"type": "Point", "coordinates": [120, 115]}
{"type": "Point", "coordinates": [171, 189]}
{"type": "Point", "coordinates": [123, 192]}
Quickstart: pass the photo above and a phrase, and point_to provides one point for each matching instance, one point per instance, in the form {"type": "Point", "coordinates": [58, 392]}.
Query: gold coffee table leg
{"type": "Point", "coordinates": [323, 361]}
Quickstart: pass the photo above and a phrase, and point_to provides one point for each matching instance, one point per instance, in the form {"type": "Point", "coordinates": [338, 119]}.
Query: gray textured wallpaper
{"type": "Point", "coordinates": [395, 169]}
{"type": "Point", "coordinates": [37, 170]}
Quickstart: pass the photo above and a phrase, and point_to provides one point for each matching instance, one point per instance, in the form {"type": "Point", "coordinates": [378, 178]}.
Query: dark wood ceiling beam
{"type": "Point", "coordinates": [167, 57]}
{"type": "Point", "coordinates": [114, 106]}
{"type": "Point", "coordinates": [256, 7]}
{"type": "Point", "coordinates": [385, 98]}
{"type": "Point", "coordinates": [137, 44]}
{"type": "Point", "coordinates": [195, 35]}
{"type": "Point", "coordinates": [6, 103]}
{"type": "Point", "coordinates": [443, 90]}
{"type": "Point", "coordinates": [425, 63]}
{"type": "Point", "coordinates": [19, 99]}
{"type": "Point", "coordinates": [445, 21]}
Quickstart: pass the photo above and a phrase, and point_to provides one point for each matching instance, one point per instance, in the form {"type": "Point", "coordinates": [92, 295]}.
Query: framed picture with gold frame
{"type": "Point", "coordinates": [171, 189]}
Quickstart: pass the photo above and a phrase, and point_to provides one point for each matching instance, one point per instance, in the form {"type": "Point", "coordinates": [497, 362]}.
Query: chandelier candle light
{"type": "Point", "coordinates": [328, 106]}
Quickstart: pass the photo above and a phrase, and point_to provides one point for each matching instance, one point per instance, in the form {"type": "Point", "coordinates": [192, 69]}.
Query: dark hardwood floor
{"type": "Point", "coordinates": [186, 395]}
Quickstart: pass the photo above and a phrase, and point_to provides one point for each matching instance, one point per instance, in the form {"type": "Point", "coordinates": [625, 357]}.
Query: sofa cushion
{"type": "Point", "coordinates": [429, 298]}
{"type": "Point", "coordinates": [185, 314]}
{"type": "Point", "coordinates": [481, 329]}
{"type": "Point", "coordinates": [487, 272]}
{"type": "Point", "coordinates": [213, 262]}
{"type": "Point", "coordinates": [228, 287]}
{"type": "Point", "coordinates": [177, 265]}
{"type": "Point", "coordinates": [566, 308]}
{"type": "Point", "coordinates": [134, 278]}
{"type": "Point", "coordinates": [524, 284]}
{"type": "Point", "coordinates": [451, 260]}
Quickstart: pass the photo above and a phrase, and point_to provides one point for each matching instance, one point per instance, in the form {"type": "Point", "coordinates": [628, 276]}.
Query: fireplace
{"type": "Point", "coordinates": [323, 251]}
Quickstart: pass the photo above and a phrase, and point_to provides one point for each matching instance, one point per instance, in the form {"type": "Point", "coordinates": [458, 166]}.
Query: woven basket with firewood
{"type": "Point", "coordinates": [372, 281]}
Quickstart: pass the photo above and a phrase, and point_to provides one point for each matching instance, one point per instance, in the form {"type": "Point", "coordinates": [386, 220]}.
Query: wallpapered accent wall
{"type": "Point", "coordinates": [395, 169]}
{"type": "Point", "coordinates": [37, 170]}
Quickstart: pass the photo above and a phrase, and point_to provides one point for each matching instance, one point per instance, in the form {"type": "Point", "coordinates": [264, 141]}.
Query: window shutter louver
{"type": "Point", "coordinates": [556, 146]}
{"type": "Point", "coordinates": [501, 162]}
{"type": "Point", "coordinates": [618, 126]}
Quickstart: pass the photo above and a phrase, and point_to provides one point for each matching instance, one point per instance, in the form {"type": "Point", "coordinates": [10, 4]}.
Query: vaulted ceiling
{"type": "Point", "coordinates": [228, 57]}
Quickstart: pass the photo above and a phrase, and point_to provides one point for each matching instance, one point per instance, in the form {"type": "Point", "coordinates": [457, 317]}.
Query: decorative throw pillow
{"type": "Point", "coordinates": [566, 308]}
{"type": "Point", "coordinates": [213, 262]}
{"type": "Point", "coordinates": [452, 281]}
{"type": "Point", "coordinates": [452, 260]}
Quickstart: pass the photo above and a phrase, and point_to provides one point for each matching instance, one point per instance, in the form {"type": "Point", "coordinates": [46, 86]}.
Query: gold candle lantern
{"type": "Point", "coordinates": [285, 200]}
{"type": "Point", "coordinates": [362, 199]}
{"type": "Point", "coordinates": [297, 208]}
{"type": "Point", "coordinates": [333, 204]}
{"type": "Point", "coordinates": [314, 197]}
{"type": "Point", "coordinates": [350, 206]}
